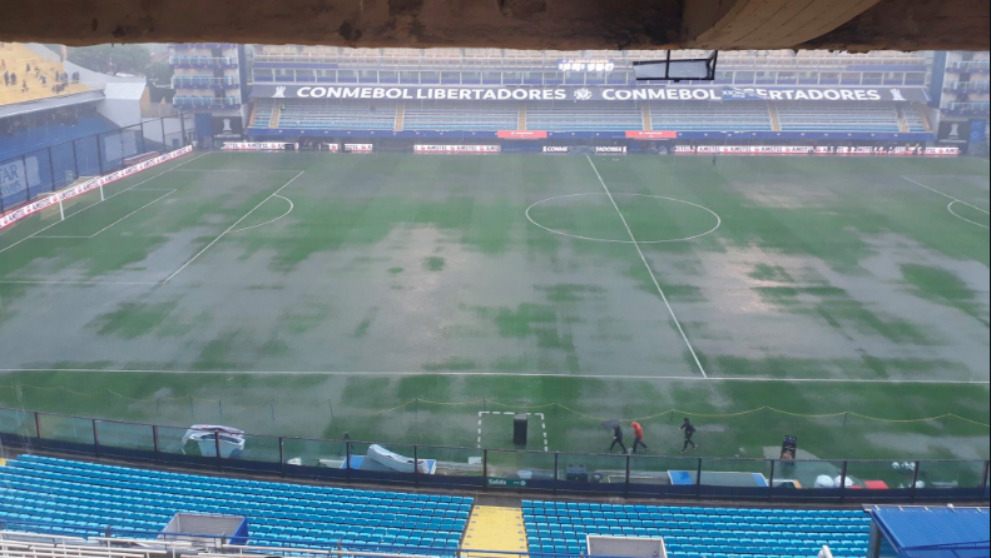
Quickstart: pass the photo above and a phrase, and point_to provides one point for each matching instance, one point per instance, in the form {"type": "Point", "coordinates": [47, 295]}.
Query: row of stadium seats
{"type": "Point", "coordinates": [462, 118]}
{"type": "Point", "coordinates": [262, 115]}
{"type": "Point", "coordinates": [338, 116]}
{"type": "Point", "coordinates": [691, 532]}
{"type": "Point", "coordinates": [567, 117]}
{"type": "Point", "coordinates": [490, 56]}
{"type": "Point", "coordinates": [829, 117]}
{"type": "Point", "coordinates": [913, 119]}
{"type": "Point", "coordinates": [585, 117]}
{"type": "Point", "coordinates": [711, 116]}
{"type": "Point", "coordinates": [66, 497]}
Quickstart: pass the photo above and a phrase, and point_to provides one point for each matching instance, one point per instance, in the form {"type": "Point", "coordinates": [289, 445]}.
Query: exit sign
{"type": "Point", "coordinates": [496, 482]}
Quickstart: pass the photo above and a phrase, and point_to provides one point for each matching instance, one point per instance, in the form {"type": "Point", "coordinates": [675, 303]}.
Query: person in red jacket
{"type": "Point", "coordinates": [638, 436]}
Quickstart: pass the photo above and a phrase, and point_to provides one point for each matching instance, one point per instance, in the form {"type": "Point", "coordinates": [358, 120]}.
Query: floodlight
{"type": "Point", "coordinates": [678, 69]}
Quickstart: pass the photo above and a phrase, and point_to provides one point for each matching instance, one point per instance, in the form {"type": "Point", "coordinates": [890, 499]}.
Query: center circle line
{"type": "Point", "coordinates": [620, 241]}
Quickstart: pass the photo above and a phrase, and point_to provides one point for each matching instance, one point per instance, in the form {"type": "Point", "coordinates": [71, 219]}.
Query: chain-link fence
{"type": "Point", "coordinates": [777, 478]}
{"type": "Point", "coordinates": [30, 175]}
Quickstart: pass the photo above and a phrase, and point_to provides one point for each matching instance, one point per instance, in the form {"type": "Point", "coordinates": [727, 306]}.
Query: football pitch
{"type": "Point", "coordinates": [417, 299]}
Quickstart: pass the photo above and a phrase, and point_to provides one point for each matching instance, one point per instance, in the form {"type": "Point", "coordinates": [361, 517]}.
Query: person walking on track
{"type": "Point", "coordinates": [689, 429]}
{"type": "Point", "coordinates": [618, 439]}
{"type": "Point", "coordinates": [638, 437]}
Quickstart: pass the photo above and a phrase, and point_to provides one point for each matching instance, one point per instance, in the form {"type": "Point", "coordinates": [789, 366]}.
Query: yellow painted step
{"type": "Point", "coordinates": [495, 528]}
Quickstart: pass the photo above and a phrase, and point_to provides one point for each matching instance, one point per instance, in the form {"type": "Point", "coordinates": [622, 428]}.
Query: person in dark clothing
{"type": "Point", "coordinates": [618, 439]}
{"type": "Point", "coordinates": [688, 429]}
{"type": "Point", "coordinates": [13, 79]}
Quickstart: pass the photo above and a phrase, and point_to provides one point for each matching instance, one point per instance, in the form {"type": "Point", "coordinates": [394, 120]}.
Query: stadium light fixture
{"type": "Point", "coordinates": [677, 69]}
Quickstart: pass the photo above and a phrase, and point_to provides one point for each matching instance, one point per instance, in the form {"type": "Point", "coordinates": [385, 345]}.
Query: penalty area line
{"type": "Point", "coordinates": [129, 188]}
{"type": "Point", "coordinates": [229, 229]}
{"type": "Point", "coordinates": [948, 196]}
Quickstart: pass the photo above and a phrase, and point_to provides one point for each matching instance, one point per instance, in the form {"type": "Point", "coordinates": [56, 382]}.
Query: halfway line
{"type": "Point", "coordinates": [648, 267]}
{"type": "Point", "coordinates": [228, 229]}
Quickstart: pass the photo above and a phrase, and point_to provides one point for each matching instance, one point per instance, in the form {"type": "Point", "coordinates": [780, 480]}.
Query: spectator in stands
{"type": "Point", "coordinates": [618, 439]}
{"type": "Point", "coordinates": [75, 77]}
{"type": "Point", "coordinates": [24, 86]}
{"type": "Point", "coordinates": [13, 78]}
{"type": "Point", "coordinates": [27, 68]}
{"type": "Point", "coordinates": [638, 437]}
{"type": "Point", "coordinates": [688, 429]}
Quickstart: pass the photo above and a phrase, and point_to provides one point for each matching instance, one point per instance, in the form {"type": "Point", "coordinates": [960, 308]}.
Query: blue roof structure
{"type": "Point", "coordinates": [932, 532]}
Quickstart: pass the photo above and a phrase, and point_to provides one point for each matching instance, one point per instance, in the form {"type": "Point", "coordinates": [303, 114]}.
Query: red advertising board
{"type": "Point", "coordinates": [522, 134]}
{"type": "Point", "coordinates": [651, 134]}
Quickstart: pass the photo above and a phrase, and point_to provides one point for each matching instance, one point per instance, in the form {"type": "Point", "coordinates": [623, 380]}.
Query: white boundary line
{"type": "Point", "coordinates": [229, 229]}
{"type": "Point", "coordinates": [965, 219]}
{"type": "Point", "coordinates": [544, 428]}
{"type": "Point", "coordinates": [72, 282]}
{"type": "Point", "coordinates": [648, 267]}
{"type": "Point", "coordinates": [580, 237]}
{"type": "Point", "coordinates": [948, 196]}
{"type": "Point", "coordinates": [149, 179]}
{"type": "Point", "coordinates": [395, 373]}
{"type": "Point", "coordinates": [168, 192]}
{"type": "Point", "coordinates": [238, 170]}
{"type": "Point", "coordinates": [270, 221]}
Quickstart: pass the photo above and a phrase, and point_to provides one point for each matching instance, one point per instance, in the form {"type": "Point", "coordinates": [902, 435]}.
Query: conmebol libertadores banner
{"type": "Point", "coordinates": [587, 94]}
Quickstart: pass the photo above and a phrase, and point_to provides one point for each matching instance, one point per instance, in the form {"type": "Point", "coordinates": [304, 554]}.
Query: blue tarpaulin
{"type": "Point", "coordinates": [934, 532]}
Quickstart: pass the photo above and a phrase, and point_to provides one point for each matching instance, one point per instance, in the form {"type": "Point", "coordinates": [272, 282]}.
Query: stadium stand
{"type": "Point", "coordinates": [914, 119]}
{"type": "Point", "coordinates": [74, 498]}
{"type": "Point", "coordinates": [695, 532]}
{"type": "Point", "coordinates": [744, 116]}
{"type": "Point", "coordinates": [262, 115]}
{"type": "Point", "coordinates": [599, 71]}
{"type": "Point", "coordinates": [341, 116]}
{"type": "Point", "coordinates": [73, 124]}
{"type": "Point", "coordinates": [509, 67]}
{"type": "Point", "coordinates": [841, 117]}
{"type": "Point", "coordinates": [587, 116]}
{"type": "Point", "coordinates": [471, 118]}
{"type": "Point", "coordinates": [40, 82]}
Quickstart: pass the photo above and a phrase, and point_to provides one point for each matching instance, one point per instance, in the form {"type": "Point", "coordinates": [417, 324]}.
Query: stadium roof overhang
{"type": "Point", "coordinates": [856, 25]}
{"type": "Point", "coordinates": [50, 103]}
{"type": "Point", "coordinates": [933, 532]}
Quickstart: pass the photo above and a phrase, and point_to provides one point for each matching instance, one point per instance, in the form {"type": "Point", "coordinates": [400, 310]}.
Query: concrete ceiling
{"type": "Point", "coordinates": [855, 25]}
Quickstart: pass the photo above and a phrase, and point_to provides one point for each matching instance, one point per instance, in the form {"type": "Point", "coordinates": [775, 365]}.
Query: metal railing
{"type": "Point", "coordinates": [54, 167]}
{"type": "Point", "coordinates": [203, 61]}
{"type": "Point", "coordinates": [204, 82]}
{"type": "Point", "coordinates": [470, 468]}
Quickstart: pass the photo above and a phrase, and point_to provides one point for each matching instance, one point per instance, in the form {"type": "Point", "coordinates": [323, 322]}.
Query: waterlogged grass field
{"type": "Point", "coordinates": [397, 297]}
